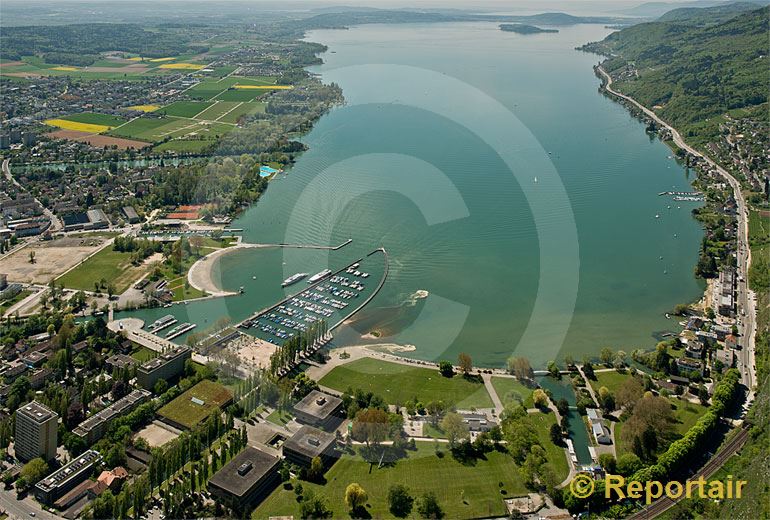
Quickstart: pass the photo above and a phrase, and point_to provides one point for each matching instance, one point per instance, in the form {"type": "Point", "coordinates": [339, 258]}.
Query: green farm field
{"type": "Point", "coordinates": [95, 119]}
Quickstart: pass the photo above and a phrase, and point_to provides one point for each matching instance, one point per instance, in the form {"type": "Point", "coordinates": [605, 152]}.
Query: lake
{"type": "Point", "coordinates": [498, 179]}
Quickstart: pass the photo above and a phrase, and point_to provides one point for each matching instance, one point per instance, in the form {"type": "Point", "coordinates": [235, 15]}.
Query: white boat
{"type": "Point", "coordinates": [319, 276]}
{"type": "Point", "coordinates": [293, 279]}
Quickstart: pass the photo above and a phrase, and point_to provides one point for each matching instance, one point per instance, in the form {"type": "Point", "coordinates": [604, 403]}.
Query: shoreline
{"type": "Point", "coordinates": [200, 274]}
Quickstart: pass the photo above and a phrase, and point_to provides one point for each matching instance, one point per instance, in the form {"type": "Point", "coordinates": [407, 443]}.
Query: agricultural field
{"type": "Point", "coordinates": [208, 395]}
{"type": "Point", "coordinates": [470, 490]}
{"type": "Point", "coordinates": [398, 383]}
{"type": "Point", "coordinates": [243, 109]}
{"type": "Point", "coordinates": [226, 88]}
{"type": "Point", "coordinates": [144, 108]}
{"type": "Point", "coordinates": [185, 108]}
{"type": "Point", "coordinates": [95, 119]}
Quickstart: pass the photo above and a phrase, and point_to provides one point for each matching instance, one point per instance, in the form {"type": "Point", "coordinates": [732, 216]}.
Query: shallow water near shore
{"type": "Point", "coordinates": [389, 170]}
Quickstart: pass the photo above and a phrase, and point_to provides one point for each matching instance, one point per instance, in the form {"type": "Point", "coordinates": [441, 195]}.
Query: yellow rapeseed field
{"type": "Point", "coordinates": [135, 58]}
{"type": "Point", "coordinates": [144, 108]}
{"type": "Point", "coordinates": [64, 68]}
{"type": "Point", "coordinates": [189, 66]}
{"type": "Point", "coordinates": [158, 60]}
{"type": "Point", "coordinates": [74, 125]}
{"type": "Point", "coordinates": [264, 87]}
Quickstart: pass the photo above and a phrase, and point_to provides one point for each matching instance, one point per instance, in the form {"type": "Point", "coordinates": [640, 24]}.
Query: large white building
{"type": "Point", "coordinates": [36, 432]}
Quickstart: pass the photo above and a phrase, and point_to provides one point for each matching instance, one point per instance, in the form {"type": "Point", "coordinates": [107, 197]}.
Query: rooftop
{"type": "Point", "coordinates": [69, 470]}
{"type": "Point", "coordinates": [164, 358]}
{"type": "Point", "coordinates": [240, 474]}
{"type": "Point", "coordinates": [309, 441]}
{"type": "Point", "coordinates": [37, 412]}
{"type": "Point", "coordinates": [110, 412]}
{"type": "Point", "coordinates": [318, 404]}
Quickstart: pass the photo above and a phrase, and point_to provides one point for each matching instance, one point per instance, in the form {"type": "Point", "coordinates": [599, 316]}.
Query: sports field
{"type": "Point", "coordinates": [196, 404]}
{"type": "Point", "coordinates": [398, 383]}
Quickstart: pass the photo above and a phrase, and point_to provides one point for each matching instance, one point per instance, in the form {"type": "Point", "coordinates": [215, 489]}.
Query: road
{"type": "Point", "coordinates": [56, 224]}
{"type": "Point", "coordinates": [746, 302]}
{"type": "Point", "coordinates": [22, 509]}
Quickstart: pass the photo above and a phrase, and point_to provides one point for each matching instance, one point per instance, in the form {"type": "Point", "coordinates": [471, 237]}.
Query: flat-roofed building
{"type": "Point", "coordinates": [167, 366]}
{"type": "Point", "coordinates": [246, 480]}
{"type": "Point", "coordinates": [36, 432]}
{"type": "Point", "coordinates": [308, 443]}
{"type": "Point", "coordinates": [319, 409]}
{"type": "Point", "coordinates": [94, 428]}
{"type": "Point", "coordinates": [64, 479]}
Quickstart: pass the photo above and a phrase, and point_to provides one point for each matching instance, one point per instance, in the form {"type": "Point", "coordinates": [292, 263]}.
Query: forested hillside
{"type": "Point", "coordinates": [689, 74]}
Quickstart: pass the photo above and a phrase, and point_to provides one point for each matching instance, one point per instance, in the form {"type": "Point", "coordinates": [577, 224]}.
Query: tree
{"type": "Point", "coordinates": [371, 426]}
{"type": "Point", "coordinates": [455, 428]}
{"type": "Point", "coordinates": [465, 363]}
{"type": "Point", "coordinates": [34, 470]}
{"type": "Point", "coordinates": [161, 385]}
{"type": "Point", "coordinates": [436, 409]}
{"type": "Point", "coordinates": [316, 470]}
{"type": "Point", "coordinates": [555, 432]}
{"type": "Point", "coordinates": [606, 400]}
{"type": "Point", "coordinates": [562, 406]}
{"type": "Point", "coordinates": [429, 507]}
{"type": "Point", "coordinates": [553, 370]}
{"type": "Point", "coordinates": [628, 464]}
{"type": "Point", "coordinates": [540, 398]}
{"type": "Point", "coordinates": [446, 368]}
{"type": "Point", "coordinates": [521, 368]}
{"type": "Point", "coordinates": [32, 257]}
{"type": "Point", "coordinates": [588, 370]}
{"type": "Point", "coordinates": [606, 356]}
{"type": "Point", "coordinates": [314, 506]}
{"type": "Point", "coordinates": [355, 496]}
{"type": "Point", "coordinates": [629, 392]}
{"type": "Point", "coordinates": [607, 461]}
{"type": "Point", "coordinates": [400, 501]}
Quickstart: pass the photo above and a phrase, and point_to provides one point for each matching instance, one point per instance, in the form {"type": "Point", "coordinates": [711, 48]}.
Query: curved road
{"type": "Point", "coordinates": [746, 301]}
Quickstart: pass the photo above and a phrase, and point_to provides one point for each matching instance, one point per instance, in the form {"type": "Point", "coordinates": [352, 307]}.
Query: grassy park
{"type": "Point", "coordinates": [464, 490]}
{"type": "Point", "coordinates": [186, 412]}
{"type": "Point", "coordinates": [113, 266]}
{"type": "Point", "coordinates": [685, 416]}
{"type": "Point", "coordinates": [509, 389]}
{"type": "Point", "coordinates": [398, 383]}
{"type": "Point", "coordinates": [612, 379]}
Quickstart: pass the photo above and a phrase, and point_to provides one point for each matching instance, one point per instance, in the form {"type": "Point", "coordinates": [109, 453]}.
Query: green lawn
{"type": "Point", "coordinates": [557, 457]}
{"type": "Point", "coordinates": [612, 380]}
{"type": "Point", "coordinates": [10, 302]}
{"type": "Point", "coordinates": [398, 383]}
{"type": "Point", "coordinates": [143, 354]}
{"type": "Point", "coordinates": [113, 266]}
{"type": "Point", "coordinates": [509, 389]}
{"type": "Point", "coordinates": [95, 119]}
{"type": "Point", "coordinates": [184, 108]}
{"type": "Point", "coordinates": [241, 95]}
{"type": "Point", "coordinates": [280, 418]}
{"type": "Point", "coordinates": [184, 145]}
{"type": "Point", "coordinates": [468, 490]}
{"type": "Point", "coordinates": [184, 411]}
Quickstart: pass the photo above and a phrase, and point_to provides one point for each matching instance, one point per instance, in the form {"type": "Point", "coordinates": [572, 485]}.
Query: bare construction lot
{"type": "Point", "coordinates": [51, 259]}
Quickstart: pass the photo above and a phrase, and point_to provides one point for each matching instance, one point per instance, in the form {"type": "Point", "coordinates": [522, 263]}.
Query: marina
{"type": "Point", "coordinates": [330, 297]}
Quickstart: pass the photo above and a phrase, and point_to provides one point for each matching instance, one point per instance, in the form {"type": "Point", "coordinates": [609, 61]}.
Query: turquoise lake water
{"type": "Point", "coordinates": [498, 179]}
